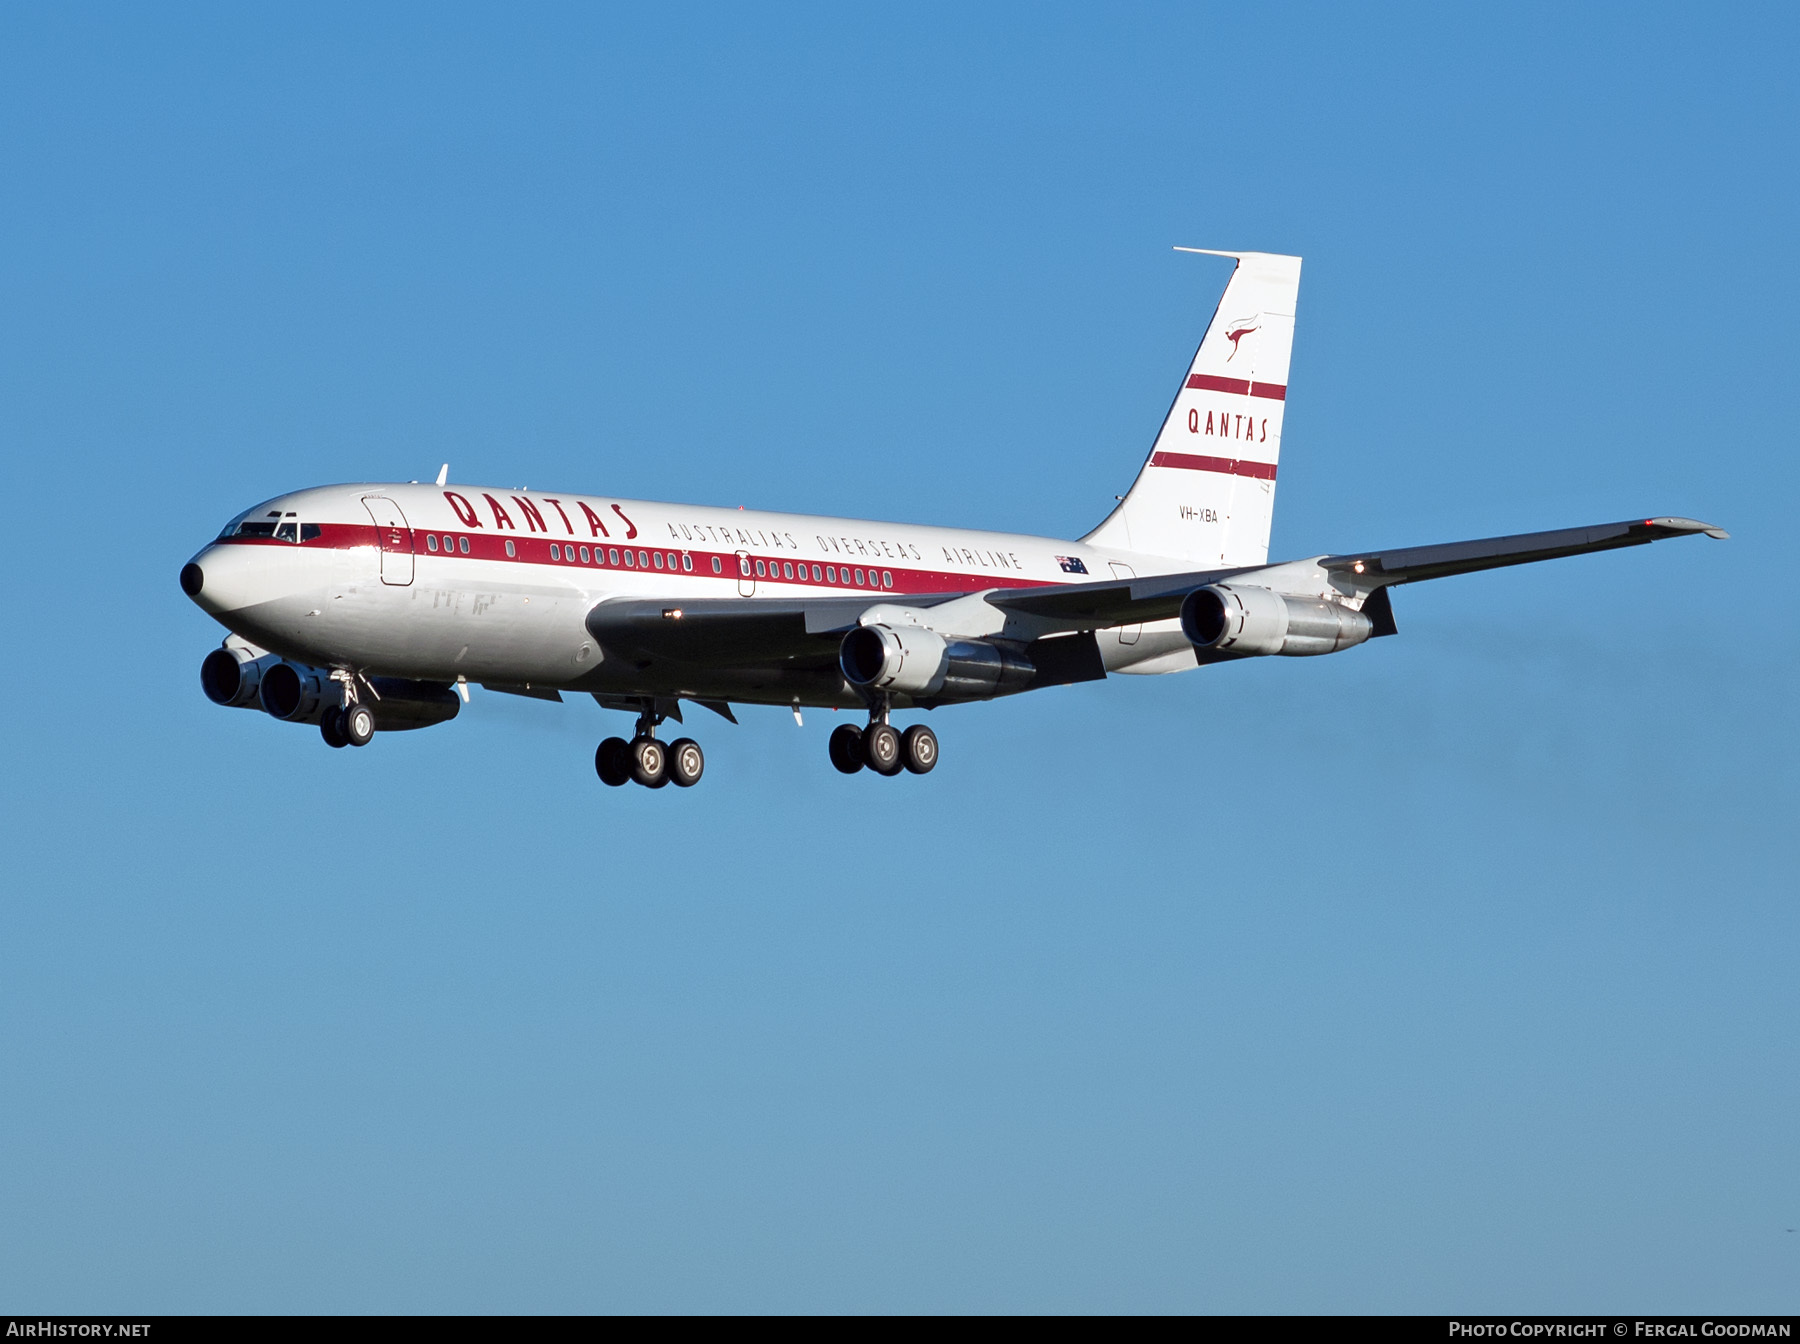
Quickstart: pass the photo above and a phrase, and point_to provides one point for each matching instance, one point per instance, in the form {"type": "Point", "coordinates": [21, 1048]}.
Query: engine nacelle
{"type": "Point", "coordinates": [232, 676]}
{"type": "Point", "coordinates": [1250, 621]}
{"type": "Point", "coordinates": [297, 694]}
{"type": "Point", "coordinates": [411, 704]}
{"type": "Point", "coordinates": [921, 663]}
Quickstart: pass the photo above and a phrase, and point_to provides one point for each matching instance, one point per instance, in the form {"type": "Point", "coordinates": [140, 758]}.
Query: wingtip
{"type": "Point", "coordinates": [1690, 525]}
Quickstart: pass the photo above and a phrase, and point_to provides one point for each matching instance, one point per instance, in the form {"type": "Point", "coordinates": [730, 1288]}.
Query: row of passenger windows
{"type": "Point", "coordinates": [785, 569]}
{"type": "Point", "coordinates": [671, 560]}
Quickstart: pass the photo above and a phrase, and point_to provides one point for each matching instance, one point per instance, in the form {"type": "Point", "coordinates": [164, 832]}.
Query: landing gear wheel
{"type": "Point", "coordinates": [846, 748]}
{"type": "Point", "coordinates": [612, 762]}
{"type": "Point", "coordinates": [359, 724]}
{"type": "Point", "coordinates": [919, 749]}
{"type": "Point", "coordinates": [331, 728]}
{"type": "Point", "coordinates": [649, 762]}
{"type": "Point", "coordinates": [881, 749]}
{"type": "Point", "coordinates": [686, 762]}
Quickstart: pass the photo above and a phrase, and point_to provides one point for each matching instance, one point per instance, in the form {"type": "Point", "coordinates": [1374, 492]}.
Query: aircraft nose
{"type": "Point", "coordinates": [221, 579]}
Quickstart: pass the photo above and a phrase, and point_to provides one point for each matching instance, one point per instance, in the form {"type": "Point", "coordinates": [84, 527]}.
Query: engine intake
{"type": "Point", "coordinates": [297, 694]}
{"type": "Point", "coordinates": [232, 676]}
{"type": "Point", "coordinates": [1249, 621]}
{"type": "Point", "coordinates": [922, 664]}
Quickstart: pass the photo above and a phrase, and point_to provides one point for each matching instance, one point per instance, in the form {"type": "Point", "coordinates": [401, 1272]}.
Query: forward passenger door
{"type": "Point", "coordinates": [395, 536]}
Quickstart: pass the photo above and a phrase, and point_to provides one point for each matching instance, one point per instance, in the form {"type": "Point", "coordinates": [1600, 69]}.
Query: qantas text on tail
{"type": "Point", "coordinates": [366, 608]}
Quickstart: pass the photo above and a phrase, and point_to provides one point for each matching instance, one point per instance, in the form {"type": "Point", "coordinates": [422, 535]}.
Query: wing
{"type": "Point", "coordinates": [1159, 597]}
{"type": "Point", "coordinates": [1410, 564]}
{"type": "Point", "coordinates": [805, 633]}
{"type": "Point", "coordinates": [729, 631]}
{"type": "Point", "coordinates": [756, 631]}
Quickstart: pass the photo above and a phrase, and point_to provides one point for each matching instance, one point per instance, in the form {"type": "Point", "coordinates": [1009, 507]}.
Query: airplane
{"type": "Point", "coordinates": [372, 608]}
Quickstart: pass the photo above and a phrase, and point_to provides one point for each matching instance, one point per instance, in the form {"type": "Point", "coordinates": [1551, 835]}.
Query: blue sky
{"type": "Point", "coordinates": [1453, 973]}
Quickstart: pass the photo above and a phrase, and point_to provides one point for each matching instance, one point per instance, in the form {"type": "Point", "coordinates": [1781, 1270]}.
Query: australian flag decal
{"type": "Point", "coordinates": [1071, 564]}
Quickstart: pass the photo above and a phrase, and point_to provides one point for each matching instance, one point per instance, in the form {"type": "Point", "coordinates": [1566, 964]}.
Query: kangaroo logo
{"type": "Point", "coordinates": [1236, 331]}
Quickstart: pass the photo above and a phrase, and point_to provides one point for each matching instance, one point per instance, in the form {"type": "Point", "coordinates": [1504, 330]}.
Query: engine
{"type": "Point", "coordinates": [411, 704]}
{"type": "Point", "coordinates": [233, 676]}
{"type": "Point", "coordinates": [1249, 621]}
{"type": "Point", "coordinates": [297, 694]}
{"type": "Point", "coordinates": [922, 664]}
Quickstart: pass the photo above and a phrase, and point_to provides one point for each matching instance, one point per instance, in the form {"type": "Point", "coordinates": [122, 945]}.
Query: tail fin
{"type": "Point", "coordinates": [1207, 494]}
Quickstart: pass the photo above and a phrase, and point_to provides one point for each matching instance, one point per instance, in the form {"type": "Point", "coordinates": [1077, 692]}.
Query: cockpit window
{"type": "Point", "coordinates": [251, 527]}
{"type": "Point", "coordinates": [271, 524]}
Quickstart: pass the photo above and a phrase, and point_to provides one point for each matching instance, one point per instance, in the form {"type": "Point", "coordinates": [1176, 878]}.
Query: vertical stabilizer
{"type": "Point", "coordinates": [1207, 493]}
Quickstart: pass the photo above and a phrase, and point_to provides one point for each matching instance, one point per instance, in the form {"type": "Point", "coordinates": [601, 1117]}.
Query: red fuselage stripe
{"type": "Point", "coordinates": [535, 550]}
{"type": "Point", "coordinates": [1243, 387]}
{"type": "Point", "coordinates": [1229, 466]}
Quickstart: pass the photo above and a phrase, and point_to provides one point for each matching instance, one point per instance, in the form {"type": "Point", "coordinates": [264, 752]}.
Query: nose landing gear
{"type": "Point", "coordinates": [351, 724]}
{"type": "Point", "coordinates": [647, 761]}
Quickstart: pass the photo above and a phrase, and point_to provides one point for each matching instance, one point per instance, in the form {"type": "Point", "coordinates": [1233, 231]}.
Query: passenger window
{"type": "Point", "coordinates": [830, 573]}
{"type": "Point", "coordinates": [743, 567]}
{"type": "Point", "coordinates": [859, 577]}
{"type": "Point", "coordinates": [659, 560]}
{"type": "Point", "coordinates": [887, 579]}
{"type": "Point", "coordinates": [630, 561]}
{"type": "Point", "coordinates": [760, 571]}
{"type": "Point", "coordinates": [643, 561]}
{"type": "Point", "coordinates": [717, 567]}
{"type": "Point", "coordinates": [687, 563]}
{"type": "Point", "coordinates": [815, 573]}
{"type": "Point", "coordinates": [449, 543]}
{"type": "Point", "coordinates": [555, 551]}
{"type": "Point", "coordinates": [612, 557]}
{"type": "Point", "coordinates": [430, 543]}
{"type": "Point", "coordinates": [787, 570]}
{"type": "Point", "coordinates": [584, 555]}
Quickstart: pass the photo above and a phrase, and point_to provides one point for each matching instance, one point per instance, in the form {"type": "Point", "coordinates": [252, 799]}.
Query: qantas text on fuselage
{"type": "Point", "coordinates": [370, 608]}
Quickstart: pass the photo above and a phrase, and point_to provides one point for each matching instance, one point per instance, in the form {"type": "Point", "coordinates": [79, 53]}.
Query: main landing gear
{"type": "Point", "coordinates": [351, 724]}
{"type": "Point", "coordinates": [647, 761]}
{"type": "Point", "coordinates": [883, 748]}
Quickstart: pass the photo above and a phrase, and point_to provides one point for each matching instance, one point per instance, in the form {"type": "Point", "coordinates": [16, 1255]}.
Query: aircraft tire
{"type": "Point", "coordinates": [919, 749]}
{"type": "Point", "coordinates": [331, 728]}
{"type": "Point", "coordinates": [881, 749]}
{"type": "Point", "coordinates": [686, 762]}
{"type": "Point", "coordinates": [359, 725]}
{"type": "Point", "coordinates": [612, 762]}
{"type": "Point", "coordinates": [649, 762]}
{"type": "Point", "coordinates": [846, 748]}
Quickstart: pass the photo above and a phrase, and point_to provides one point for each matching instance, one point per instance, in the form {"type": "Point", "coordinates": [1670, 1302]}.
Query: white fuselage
{"type": "Point", "coordinates": [465, 583]}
